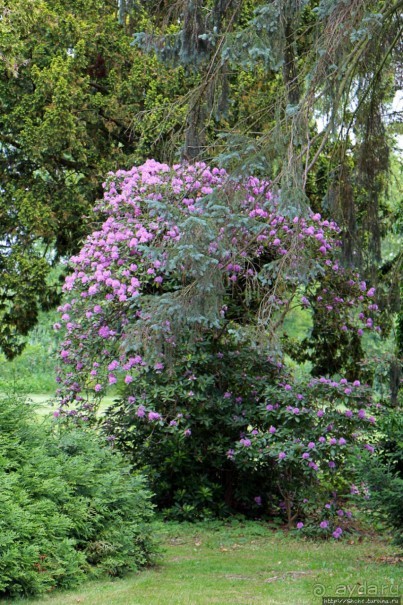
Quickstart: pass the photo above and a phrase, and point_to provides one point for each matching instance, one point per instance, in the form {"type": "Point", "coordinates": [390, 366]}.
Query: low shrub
{"type": "Point", "coordinates": [384, 496]}
{"type": "Point", "coordinates": [382, 476]}
{"type": "Point", "coordinates": [237, 432]}
{"type": "Point", "coordinates": [69, 506]}
{"type": "Point", "coordinates": [309, 436]}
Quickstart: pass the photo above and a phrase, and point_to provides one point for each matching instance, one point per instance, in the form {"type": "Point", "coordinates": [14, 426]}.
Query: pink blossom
{"type": "Point", "coordinates": [120, 261]}
{"type": "Point", "coordinates": [154, 416]}
{"type": "Point", "coordinates": [140, 412]}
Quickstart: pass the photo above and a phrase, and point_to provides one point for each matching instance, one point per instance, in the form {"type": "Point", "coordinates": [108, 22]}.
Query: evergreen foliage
{"type": "Point", "coordinates": [325, 135]}
{"type": "Point", "coordinates": [385, 495]}
{"type": "Point", "coordinates": [69, 506]}
{"type": "Point", "coordinates": [71, 86]}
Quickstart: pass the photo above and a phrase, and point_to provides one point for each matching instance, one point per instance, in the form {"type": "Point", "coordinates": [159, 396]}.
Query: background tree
{"type": "Point", "coordinates": [325, 135]}
{"type": "Point", "coordinates": [70, 86]}
{"type": "Point", "coordinates": [297, 91]}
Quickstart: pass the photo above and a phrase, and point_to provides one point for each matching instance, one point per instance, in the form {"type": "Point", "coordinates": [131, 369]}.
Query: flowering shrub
{"type": "Point", "coordinates": [187, 248]}
{"type": "Point", "coordinates": [313, 434]}
{"type": "Point", "coordinates": [205, 402]}
{"type": "Point", "coordinates": [180, 291]}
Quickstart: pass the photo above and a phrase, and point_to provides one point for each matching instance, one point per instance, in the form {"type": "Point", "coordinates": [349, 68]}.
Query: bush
{"type": "Point", "coordinates": [181, 292]}
{"type": "Point", "coordinates": [234, 431]}
{"type": "Point", "coordinates": [32, 372]}
{"type": "Point", "coordinates": [309, 435]}
{"type": "Point", "coordinates": [204, 402]}
{"type": "Point", "coordinates": [69, 506]}
{"type": "Point", "coordinates": [384, 495]}
{"type": "Point", "coordinates": [383, 476]}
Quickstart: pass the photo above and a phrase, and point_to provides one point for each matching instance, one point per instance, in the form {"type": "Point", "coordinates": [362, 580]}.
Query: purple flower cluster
{"type": "Point", "coordinates": [144, 211]}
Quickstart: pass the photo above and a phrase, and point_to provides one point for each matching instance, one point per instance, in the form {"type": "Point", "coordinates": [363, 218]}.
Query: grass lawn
{"type": "Point", "coordinates": [43, 402]}
{"type": "Point", "coordinates": [244, 563]}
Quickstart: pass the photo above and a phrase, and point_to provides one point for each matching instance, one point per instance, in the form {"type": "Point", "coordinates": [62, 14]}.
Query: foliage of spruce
{"type": "Point", "coordinates": [69, 506]}
{"type": "Point", "coordinates": [385, 495]}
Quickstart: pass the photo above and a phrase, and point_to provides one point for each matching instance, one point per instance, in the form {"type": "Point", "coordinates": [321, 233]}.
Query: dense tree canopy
{"type": "Point", "coordinates": [325, 134]}
{"type": "Point", "coordinates": [70, 87]}
{"type": "Point", "coordinates": [296, 92]}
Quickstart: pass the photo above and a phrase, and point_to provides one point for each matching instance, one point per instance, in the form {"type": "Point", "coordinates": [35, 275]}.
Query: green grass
{"type": "Point", "coordinates": [242, 563]}
{"type": "Point", "coordinates": [43, 403]}
{"type": "Point", "coordinates": [33, 371]}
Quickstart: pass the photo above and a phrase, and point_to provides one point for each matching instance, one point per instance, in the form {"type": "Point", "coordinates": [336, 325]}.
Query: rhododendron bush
{"type": "Point", "coordinates": [180, 292]}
